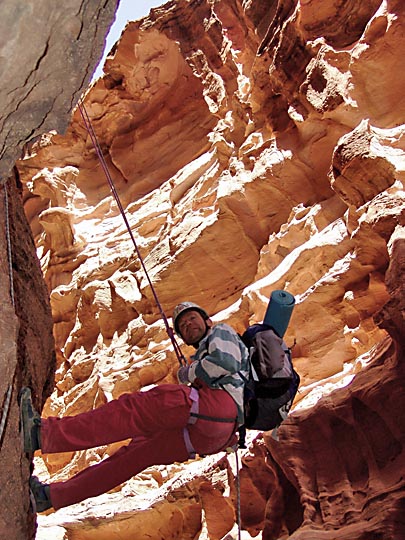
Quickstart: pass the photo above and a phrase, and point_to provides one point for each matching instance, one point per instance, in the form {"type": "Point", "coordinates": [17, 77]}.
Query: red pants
{"type": "Point", "coordinates": [154, 420]}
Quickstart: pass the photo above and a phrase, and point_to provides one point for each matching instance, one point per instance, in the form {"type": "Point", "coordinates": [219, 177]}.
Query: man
{"type": "Point", "coordinates": [165, 424]}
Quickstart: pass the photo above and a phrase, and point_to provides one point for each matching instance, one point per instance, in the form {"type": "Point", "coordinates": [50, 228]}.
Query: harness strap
{"type": "Point", "coordinates": [213, 418]}
{"type": "Point", "coordinates": [189, 446]}
{"type": "Point", "coordinates": [195, 405]}
{"type": "Point", "coordinates": [195, 399]}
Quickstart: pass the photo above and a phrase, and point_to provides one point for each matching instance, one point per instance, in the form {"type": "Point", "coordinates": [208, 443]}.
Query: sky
{"type": "Point", "coordinates": [128, 10]}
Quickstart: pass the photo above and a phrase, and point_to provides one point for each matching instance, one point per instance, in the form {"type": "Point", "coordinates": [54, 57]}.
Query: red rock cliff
{"type": "Point", "coordinates": [254, 146]}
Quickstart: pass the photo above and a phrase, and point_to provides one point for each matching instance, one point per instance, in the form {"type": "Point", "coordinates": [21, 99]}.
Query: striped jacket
{"type": "Point", "coordinates": [219, 357]}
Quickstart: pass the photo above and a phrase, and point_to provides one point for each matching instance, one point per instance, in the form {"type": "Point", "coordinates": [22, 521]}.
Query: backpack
{"type": "Point", "coordinates": [272, 382]}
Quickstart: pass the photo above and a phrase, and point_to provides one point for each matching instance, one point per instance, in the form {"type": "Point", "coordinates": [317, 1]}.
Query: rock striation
{"type": "Point", "coordinates": [253, 146]}
{"type": "Point", "coordinates": [47, 55]}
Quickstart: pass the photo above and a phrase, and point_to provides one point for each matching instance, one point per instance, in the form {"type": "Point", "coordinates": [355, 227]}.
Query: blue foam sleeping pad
{"type": "Point", "coordinates": [279, 311]}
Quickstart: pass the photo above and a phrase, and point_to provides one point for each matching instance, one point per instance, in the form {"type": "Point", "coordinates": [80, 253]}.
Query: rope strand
{"type": "Point", "coordinates": [93, 137]}
{"type": "Point", "coordinates": [7, 401]}
{"type": "Point", "coordinates": [8, 240]}
{"type": "Point", "coordinates": [238, 506]}
{"type": "Point", "coordinates": [6, 408]}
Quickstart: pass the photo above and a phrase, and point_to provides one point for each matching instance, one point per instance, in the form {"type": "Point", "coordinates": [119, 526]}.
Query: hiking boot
{"type": "Point", "coordinates": [30, 423]}
{"type": "Point", "coordinates": [41, 494]}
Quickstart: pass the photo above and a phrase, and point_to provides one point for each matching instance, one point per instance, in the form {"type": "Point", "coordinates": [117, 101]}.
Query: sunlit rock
{"type": "Point", "coordinates": [252, 147]}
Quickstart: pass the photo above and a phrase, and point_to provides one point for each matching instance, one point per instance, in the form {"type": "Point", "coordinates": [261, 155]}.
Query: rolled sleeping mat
{"type": "Point", "coordinates": [279, 311]}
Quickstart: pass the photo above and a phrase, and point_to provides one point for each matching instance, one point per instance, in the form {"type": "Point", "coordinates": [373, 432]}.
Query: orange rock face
{"type": "Point", "coordinates": [253, 146]}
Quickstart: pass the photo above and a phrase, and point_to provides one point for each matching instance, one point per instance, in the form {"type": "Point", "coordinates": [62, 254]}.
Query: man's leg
{"type": "Point", "coordinates": [158, 447]}
{"type": "Point", "coordinates": [164, 407]}
{"type": "Point", "coordinates": [163, 448]}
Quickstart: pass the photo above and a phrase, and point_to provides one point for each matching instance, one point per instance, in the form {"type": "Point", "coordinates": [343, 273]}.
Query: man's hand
{"type": "Point", "coordinates": [182, 375]}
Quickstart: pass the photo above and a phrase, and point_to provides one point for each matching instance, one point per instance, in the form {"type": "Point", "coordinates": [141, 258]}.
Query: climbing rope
{"type": "Point", "coordinates": [7, 401]}
{"type": "Point", "coordinates": [6, 408]}
{"type": "Point", "coordinates": [238, 510]}
{"type": "Point", "coordinates": [229, 450]}
{"type": "Point", "coordinates": [94, 140]}
{"type": "Point", "coordinates": [8, 240]}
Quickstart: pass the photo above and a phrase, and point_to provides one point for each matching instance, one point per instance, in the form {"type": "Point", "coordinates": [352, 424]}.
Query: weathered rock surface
{"type": "Point", "coordinates": [26, 337]}
{"type": "Point", "coordinates": [48, 52]}
{"type": "Point", "coordinates": [254, 146]}
{"type": "Point", "coordinates": [48, 55]}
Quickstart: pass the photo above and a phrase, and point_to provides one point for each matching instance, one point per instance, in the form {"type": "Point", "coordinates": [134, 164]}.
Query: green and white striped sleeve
{"type": "Point", "coordinates": [220, 355]}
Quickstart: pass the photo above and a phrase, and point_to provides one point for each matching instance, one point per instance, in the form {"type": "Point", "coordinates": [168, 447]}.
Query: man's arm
{"type": "Point", "coordinates": [224, 357]}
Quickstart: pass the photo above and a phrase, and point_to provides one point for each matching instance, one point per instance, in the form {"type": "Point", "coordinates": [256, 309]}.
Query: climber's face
{"type": "Point", "coordinates": [193, 327]}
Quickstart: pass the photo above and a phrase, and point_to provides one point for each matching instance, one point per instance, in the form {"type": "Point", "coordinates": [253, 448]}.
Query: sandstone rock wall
{"type": "Point", "coordinates": [27, 358]}
{"type": "Point", "coordinates": [47, 55]}
{"type": "Point", "coordinates": [254, 146]}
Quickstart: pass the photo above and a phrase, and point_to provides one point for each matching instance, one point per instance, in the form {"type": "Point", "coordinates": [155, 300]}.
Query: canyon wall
{"type": "Point", "coordinates": [253, 146]}
{"type": "Point", "coordinates": [48, 52]}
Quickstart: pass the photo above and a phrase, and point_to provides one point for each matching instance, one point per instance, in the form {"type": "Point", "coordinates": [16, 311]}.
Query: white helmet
{"type": "Point", "coordinates": [186, 306]}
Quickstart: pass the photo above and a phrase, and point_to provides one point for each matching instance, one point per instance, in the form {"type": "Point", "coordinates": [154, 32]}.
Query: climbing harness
{"type": "Point", "coordinates": [195, 415]}
{"type": "Point", "coordinates": [7, 401]}
{"type": "Point", "coordinates": [94, 140]}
